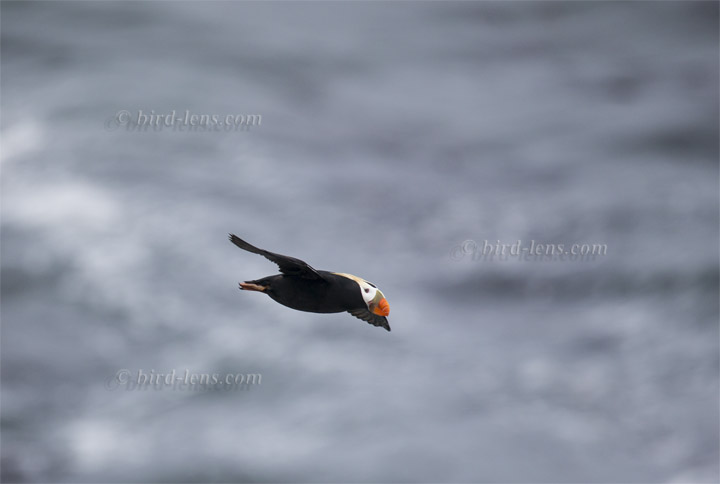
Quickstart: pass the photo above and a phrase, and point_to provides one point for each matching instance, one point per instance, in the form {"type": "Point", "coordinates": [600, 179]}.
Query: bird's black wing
{"type": "Point", "coordinates": [288, 265]}
{"type": "Point", "coordinates": [370, 317]}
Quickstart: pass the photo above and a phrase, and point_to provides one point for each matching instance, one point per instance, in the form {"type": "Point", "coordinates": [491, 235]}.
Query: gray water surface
{"type": "Point", "coordinates": [391, 133]}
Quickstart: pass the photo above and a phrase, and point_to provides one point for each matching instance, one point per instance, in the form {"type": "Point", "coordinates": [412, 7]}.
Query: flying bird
{"type": "Point", "coordinates": [301, 287]}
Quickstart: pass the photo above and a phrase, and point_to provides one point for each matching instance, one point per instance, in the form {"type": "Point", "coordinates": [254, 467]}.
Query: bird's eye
{"type": "Point", "coordinates": [367, 290]}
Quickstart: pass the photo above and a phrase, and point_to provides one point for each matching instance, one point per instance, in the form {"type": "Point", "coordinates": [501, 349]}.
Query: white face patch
{"type": "Point", "coordinates": [368, 292]}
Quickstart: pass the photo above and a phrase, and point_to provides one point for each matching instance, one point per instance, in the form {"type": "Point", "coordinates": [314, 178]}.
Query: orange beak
{"type": "Point", "coordinates": [382, 308]}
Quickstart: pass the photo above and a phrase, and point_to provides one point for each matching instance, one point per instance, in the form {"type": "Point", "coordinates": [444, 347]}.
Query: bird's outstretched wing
{"type": "Point", "coordinates": [370, 317]}
{"type": "Point", "coordinates": [288, 265]}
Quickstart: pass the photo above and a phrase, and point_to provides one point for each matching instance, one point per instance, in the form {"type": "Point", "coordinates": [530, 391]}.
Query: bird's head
{"type": "Point", "coordinates": [374, 298]}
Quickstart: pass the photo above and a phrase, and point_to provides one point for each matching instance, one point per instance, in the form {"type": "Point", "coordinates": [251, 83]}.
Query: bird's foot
{"type": "Point", "coordinates": [247, 286]}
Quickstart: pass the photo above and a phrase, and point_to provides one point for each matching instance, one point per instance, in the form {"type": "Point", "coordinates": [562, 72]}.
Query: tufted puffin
{"type": "Point", "coordinates": [301, 287]}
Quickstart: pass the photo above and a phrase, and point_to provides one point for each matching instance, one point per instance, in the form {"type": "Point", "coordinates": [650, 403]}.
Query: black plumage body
{"type": "Point", "coordinates": [331, 294]}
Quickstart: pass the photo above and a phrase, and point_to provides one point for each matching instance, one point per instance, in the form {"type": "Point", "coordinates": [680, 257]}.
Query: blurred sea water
{"type": "Point", "coordinates": [391, 133]}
